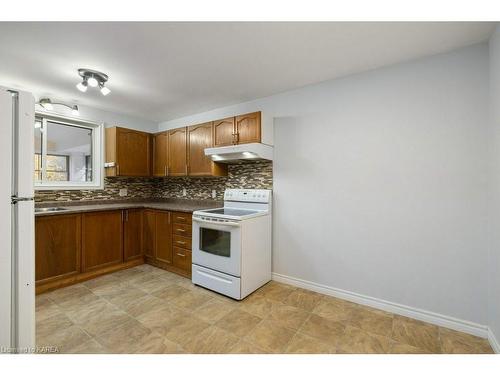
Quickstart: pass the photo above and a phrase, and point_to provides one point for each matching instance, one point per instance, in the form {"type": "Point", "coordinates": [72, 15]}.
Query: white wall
{"type": "Point", "coordinates": [380, 182]}
{"type": "Point", "coordinates": [494, 249]}
{"type": "Point", "coordinates": [108, 118]}
{"type": "Point", "coordinates": [394, 169]}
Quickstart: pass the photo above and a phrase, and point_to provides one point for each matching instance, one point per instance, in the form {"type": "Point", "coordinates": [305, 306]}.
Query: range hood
{"type": "Point", "coordinates": [233, 154]}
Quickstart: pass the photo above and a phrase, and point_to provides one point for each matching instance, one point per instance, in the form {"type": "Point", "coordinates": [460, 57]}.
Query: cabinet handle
{"type": "Point", "coordinates": [180, 218]}
{"type": "Point", "coordinates": [181, 255]}
{"type": "Point", "coordinates": [168, 170]}
{"type": "Point", "coordinates": [122, 217]}
{"type": "Point", "coordinates": [186, 170]}
{"type": "Point", "coordinates": [117, 170]}
{"type": "Point", "coordinates": [180, 242]}
{"type": "Point", "coordinates": [126, 215]}
{"type": "Point", "coordinates": [165, 170]}
{"type": "Point", "coordinates": [180, 230]}
{"type": "Point", "coordinates": [169, 217]}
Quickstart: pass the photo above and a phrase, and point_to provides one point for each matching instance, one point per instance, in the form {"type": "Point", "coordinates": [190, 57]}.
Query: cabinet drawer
{"type": "Point", "coordinates": [182, 230]}
{"type": "Point", "coordinates": [184, 242]}
{"type": "Point", "coordinates": [182, 218]}
{"type": "Point", "coordinates": [182, 258]}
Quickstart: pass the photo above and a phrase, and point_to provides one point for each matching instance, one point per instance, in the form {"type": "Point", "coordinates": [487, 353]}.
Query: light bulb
{"type": "Point", "coordinates": [75, 111]}
{"type": "Point", "coordinates": [82, 86]}
{"type": "Point", "coordinates": [92, 82]}
{"type": "Point", "coordinates": [104, 90]}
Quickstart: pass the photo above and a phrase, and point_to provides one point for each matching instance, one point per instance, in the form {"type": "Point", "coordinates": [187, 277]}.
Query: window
{"type": "Point", "coordinates": [65, 152]}
{"type": "Point", "coordinates": [57, 167]}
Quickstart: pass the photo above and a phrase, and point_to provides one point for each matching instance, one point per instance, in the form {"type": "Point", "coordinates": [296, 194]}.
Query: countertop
{"type": "Point", "coordinates": [180, 205]}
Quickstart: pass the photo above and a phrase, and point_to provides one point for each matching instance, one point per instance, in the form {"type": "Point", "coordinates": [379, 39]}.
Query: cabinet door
{"type": "Point", "coordinates": [57, 247]}
{"type": "Point", "coordinates": [248, 128]}
{"type": "Point", "coordinates": [149, 233]}
{"type": "Point", "coordinates": [132, 234]}
{"type": "Point", "coordinates": [177, 152]}
{"type": "Point", "coordinates": [182, 259]}
{"type": "Point", "coordinates": [160, 154]}
{"type": "Point", "coordinates": [133, 153]}
{"type": "Point", "coordinates": [199, 138]}
{"type": "Point", "coordinates": [163, 229]}
{"type": "Point", "coordinates": [224, 132]}
{"type": "Point", "coordinates": [102, 234]}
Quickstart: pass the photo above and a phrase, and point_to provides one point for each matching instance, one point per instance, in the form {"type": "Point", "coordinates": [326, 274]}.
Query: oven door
{"type": "Point", "coordinates": [217, 246]}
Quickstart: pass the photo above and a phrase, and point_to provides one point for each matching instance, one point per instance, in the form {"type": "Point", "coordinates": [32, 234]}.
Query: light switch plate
{"type": "Point", "coordinates": [214, 194]}
{"type": "Point", "coordinates": [183, 192]}
{"type": "Point", "coordinates": [123, 192]}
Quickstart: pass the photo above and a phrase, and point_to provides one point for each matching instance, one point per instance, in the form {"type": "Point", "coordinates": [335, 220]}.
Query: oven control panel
{"type": "Point", "coordinates": [248, 195]}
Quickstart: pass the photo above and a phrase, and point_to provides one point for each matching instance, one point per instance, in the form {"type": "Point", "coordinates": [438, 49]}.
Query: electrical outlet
{"type": "Point", "coordinates": [123, 192]}
{"type": "Point", "coordinates": [184, 192]}
{"type": "Point", "coordinates": [214, 194]}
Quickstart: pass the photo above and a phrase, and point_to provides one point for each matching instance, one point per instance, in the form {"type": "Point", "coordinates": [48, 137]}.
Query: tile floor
{"type": "Point", "coordinates": [148, 310]}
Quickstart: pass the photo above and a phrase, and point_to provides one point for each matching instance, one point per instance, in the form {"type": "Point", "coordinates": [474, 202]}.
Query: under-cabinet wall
{"type": "Point", "coordinates": [244, 175]}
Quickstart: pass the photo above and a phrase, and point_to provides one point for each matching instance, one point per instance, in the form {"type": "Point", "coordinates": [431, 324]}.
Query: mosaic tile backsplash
{"type": "Point", "coordinates": [244, 175]}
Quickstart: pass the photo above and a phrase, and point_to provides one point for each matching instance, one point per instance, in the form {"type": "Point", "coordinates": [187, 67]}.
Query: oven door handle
{"type": "Point", "coordinates": [227, 223]}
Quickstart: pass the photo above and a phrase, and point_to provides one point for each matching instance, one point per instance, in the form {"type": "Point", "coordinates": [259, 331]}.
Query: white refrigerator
{"type": "Point", "coordinates": [17, 229]}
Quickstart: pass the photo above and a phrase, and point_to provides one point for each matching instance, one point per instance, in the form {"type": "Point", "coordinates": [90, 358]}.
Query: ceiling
{"type": "Point", "coordinates": [162, 71]}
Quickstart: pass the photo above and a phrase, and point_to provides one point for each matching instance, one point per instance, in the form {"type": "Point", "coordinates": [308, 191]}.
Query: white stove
{"type": "Point", "coordinates": [232, 245]}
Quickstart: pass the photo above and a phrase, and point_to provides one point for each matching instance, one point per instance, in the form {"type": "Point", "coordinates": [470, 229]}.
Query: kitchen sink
{"type": "Point", "coordinates": [50, 209]}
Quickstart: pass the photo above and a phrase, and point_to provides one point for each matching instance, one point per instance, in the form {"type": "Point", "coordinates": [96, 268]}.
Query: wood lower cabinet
{"type": "Point", "coordinates": [177, 152]}
{"type": "Point", "coordinates": [149, 234]}
{"type": "Point", "coordinates": [102, 239]}
{"type": "Point", "coordinates": [162, 247]}
{"type": "Point", "coordinates": [160, 154]}
{"type": "Point", "coordinates": [76, 247]}
{"type": "Point", "coordinates": [58, 247]}
{"type": "Point", "coordinates": [163, 239]}
{"type": "Point", "coordinates": [182, 229]}
{"type": "Point", "coordinates": [130, 151]}
{"type": "Point", "coordinates": [181, 241]}
{"type": "Point", "coordinates": [224, 132]}
{"type": "Point", "coordinates": [182, 258]}
{"type": "Point", "coordinates": [199, 138]}
{"type": "Point", "coordinates": [182, 218]}
{"type": "Point", "coordinates": [132, 234]}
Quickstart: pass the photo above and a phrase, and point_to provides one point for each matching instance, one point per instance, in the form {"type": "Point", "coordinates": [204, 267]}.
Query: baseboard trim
{"type": "Point", "coordinates": [493, 341]}
{"type": "Point", "coordinates": [396, 308]}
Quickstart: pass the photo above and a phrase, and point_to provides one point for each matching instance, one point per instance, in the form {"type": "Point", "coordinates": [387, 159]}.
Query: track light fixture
{"type": "Point", "coordinates": [48, 104]}
{"type": "Point", "coordinates": [93, 78]}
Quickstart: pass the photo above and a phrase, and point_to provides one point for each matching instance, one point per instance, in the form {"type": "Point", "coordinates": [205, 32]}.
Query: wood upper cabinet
{"type": "Point", "coordinates": [102, 239]}
{"type": "Point", "coordinates": [200, 137]}
{"type": "Point", "coordinates": [57, 244]}
{"type": "Point", "coordinates": [224, 132]}
{"type": "Point", "coordinates": [130, 150]}
{"type": "Point", "coordinates": [160, 154]}
{"type": "Point", "coordinates": [149, 233]}
{"type": "Point", "coordinates": [163, 238]}
{"type": "Point", "coordinates": [177, 152]}
{"type": "Point", "coordinates": [248, 128]}
{"type": "Point", "coordinates": [132, 234]}
{"type": "Point", "coordinates": [238, 130]}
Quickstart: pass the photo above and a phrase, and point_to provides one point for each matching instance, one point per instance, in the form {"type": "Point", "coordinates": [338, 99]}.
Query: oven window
{"type": "Point", "coordinates": [216, 242]}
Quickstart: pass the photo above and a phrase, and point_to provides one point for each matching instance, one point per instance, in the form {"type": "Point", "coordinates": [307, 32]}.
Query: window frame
{"type": "Point", "coordinates": [97, 146]}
